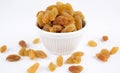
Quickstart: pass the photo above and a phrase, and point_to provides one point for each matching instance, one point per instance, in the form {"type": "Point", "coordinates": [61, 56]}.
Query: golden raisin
{"type": "Point", "coordinates": [105, 52]}
{"type": "Point", "coordinates": [75, 69]}
{"type": "Point", "coordinates": [36, 41]}
{"type": "Point", "coordinates": [114, 50]}
{"type": "Point", "coordinates": [40, 16]}
{"type": "Point", "coordinates": [105, 38]}
{"type": "Point", "coordinates": [22, 50]}
{"type": "Point", "coordinates": [64, 19]}
{"type": "Point", "coordinates": [80, 14]}
{"type": "Point", "coordinates": [13, 58]}
{"type": "Point", "coordinates": [52, 67]}
{"type": "Point", "coordinates": [40, 54]}
{"type": "Point", "coordinates": [59, 60]}
{"type": "Point", "coordinates": [69, 28]}
{"type": "Point", "coordinates": [47, 27]}
{"type": "Point", "coordinates": [3, 48]}
{"type": "Point", "coordinates": [92, 43]}
{"type": "Point", "coordinates": [103, 55]}
{"type": "Point", "coordinates": [78, 53]}
{"type": "Point", "coordinates": [78, 22]}
{"type": "Point", "coordinates": [50, 15]}
{"type": "Point", "coordinates": [64, 8]}
{"type": "Point", "coordinates": [26, 52]}
{"type": "Point", "coordinates": [33, 68]}
{"type": "Point", "coordinates": [56, 28]}
{"type": "Point", "coordinates": [73, 60]}
{"type": "Point", "coordinates": [76, 60]}
{"type": "Point", "coordinates": [32, 54]}
{"type": "Point", "coordinates": [22, 43]}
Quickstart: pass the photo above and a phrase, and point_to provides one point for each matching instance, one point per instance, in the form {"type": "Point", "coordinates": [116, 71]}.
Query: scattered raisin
{"type": "Point", "coordinates": [13, 58]}
{"type": "Point", "coordinates": [36, 41]}
{"type": "Point", "coordinates": [32, 54]}
{"type": "Point", "coordinates": [59, 60]}
{"type": "Point", "coordinates": [52, 67]}
{"type": "Point", "coordinates": [92, 43]}
{"type": "Point", "coordinates": [22, 50]}
{"type": "Point", "coordinates": [73, 60]}
{"type": "Point", "coordinates": [40, 54]}
{"type": "Point", "coordinates": [33, 68]}
{"type": "Point", "coordinates": [26, 52]}
{"type": "Point", "coordinates": [3, 48]}
{"type": "Point", "coordinates": [114, 50]}
{"type": "Point", "coordinates": [105, 38]}
{"type": "Point", "coordinates": [75, 69]}
{"type": "Point", "coordinates": [22, 43]}
{"type": "Point", "coordinates": [103, 55]}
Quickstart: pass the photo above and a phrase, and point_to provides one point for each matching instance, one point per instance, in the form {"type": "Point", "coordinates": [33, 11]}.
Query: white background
{"type": "Point", "coordinates": [17, 21]}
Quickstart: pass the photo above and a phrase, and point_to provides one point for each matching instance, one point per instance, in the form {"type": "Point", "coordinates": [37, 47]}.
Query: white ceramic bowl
{"type": "Point", "coordinates": [61, 43]}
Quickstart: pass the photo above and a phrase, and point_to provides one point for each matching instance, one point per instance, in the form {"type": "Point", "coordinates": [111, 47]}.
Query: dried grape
{"type": "Point", "coordinates": [59, 60]}
{"type": "Point", "coordinates": [3, 48]}
{"type": "Point", "coordinates": [52, 67]}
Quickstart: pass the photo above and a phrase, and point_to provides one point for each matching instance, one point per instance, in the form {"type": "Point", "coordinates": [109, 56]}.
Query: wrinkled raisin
{"type": "Point", "coordinates": [36, 41]}
{"type": "Point", "coordinates": [3, 48]}
{"type": "Point", "coordinates": [13, 58]}
{"type": "Point", "coordinates": [33, 68]}
{"type": "Point", "coordinates": [59, 60]}
{"type": "Point", "coordinates": [73, 60]}
{"type": "Point", "coordinates": [52, 67]}
{"type": "Point", "coordinates": [75, 69]}
{"type": "Point", "coordinates": [32, 54]}
{"type": "Point", "coordinates": [40, 54]}
{"type": "Point", "coordinates": [105, 38]}
{"type": "Point", "coordinates": [92, 43]}
{"type": "Point", "coordinates": [22, 50]}
{"type": "Point", "coordinates": [103, 55]}
{"type": "Point", "coordinates": [114, 50]}
{"type": "Point", "coordinates": [22, 43]}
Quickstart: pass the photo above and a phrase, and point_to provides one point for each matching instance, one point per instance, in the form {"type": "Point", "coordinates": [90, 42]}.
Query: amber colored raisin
{"type": "Point", "coordinates": [92, 43]}
{"type": "Point", "coordinates": [105, 38]}
{"type": "Point", "coordinates": [32, 54]}
{"type": "Point", "coordinates": [78, 22]}
{"type": "Point", "coordinates": [78, 53]}
{"type": "Point", "coordinates": [13, 58]}
{"type": "Point", "coordinates": [22, 43]}
{"type": "Point", "coordinates": [22, 50]}
{"type": "Point", "coordinates": [3, 48]}
{"type": "Point", "coordinates": [73, 60]}
{"type": "Point", "coordinates": [40, 54]}
{"type": "Point", "coordinates": [80, 14]}
{"type": "Point", "coordinates": [40, 16]}
{"type": "Point", "coordinates": [52, 67]}
{"type": "Point", "coordinates": [59, 60]}
{"type": "Point", "coordinates": [114, 50]}
{"type": "Point", "coordinates": [50, 15]}
{"type": "Point", "coordinates": [69, 28]}
{"type": "Point", "coordinates": [75, 69]}
{"type": "Point", "coordinates": [33, 68]}
{"type": "Point", "coordinates": [56, 28]}
{"type": "Point", "coordinates": [105, 52]}
{"type": "Point", "coordinates": [76, 60]}
{"type": "Point", "coordinates": [36, 41]}
{"type": "Point", "coordinates": [103, 55]}
{"type": "Point", "coordinates": [26, 52]}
